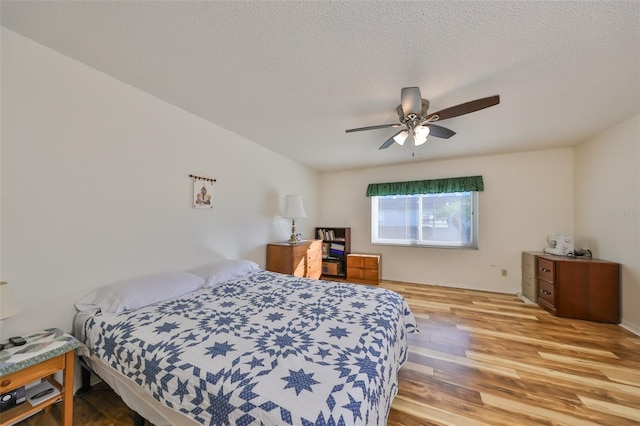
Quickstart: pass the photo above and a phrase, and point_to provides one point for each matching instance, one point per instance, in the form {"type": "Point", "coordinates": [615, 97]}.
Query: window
{"type": "Point", "coordinates": [429, 220]}
{"type": "Point", "coordinates": [430, 213]}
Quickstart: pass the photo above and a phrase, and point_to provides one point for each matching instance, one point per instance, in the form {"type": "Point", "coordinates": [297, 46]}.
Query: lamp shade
{"type": "Point", "coordinates": [8, 305]}
{"type": "Point", "coordinates": [421, 135]}
{"type": "Point", "coordinates": [401, 137]}
{"type": "Point", "coordinates": [294, 207]}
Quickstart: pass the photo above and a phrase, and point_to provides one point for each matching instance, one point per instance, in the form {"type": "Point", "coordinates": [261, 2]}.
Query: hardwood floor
{"type": "Point", "coordinates": [487, 358]}
{"type": "Point", "coordinates": [482, 359]}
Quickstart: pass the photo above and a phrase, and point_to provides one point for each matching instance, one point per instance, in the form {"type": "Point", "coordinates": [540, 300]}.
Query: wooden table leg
{"type": "Point", "coordinates": [67, 390]}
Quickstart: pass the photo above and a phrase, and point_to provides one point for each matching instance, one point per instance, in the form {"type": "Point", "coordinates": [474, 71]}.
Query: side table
{"type": "Point", "coordinates": [44, 354]}
{"type": "Point", "coordinates": [364, 268]}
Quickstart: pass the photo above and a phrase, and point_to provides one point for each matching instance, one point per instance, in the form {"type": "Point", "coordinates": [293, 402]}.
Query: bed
{"type": "Point", "coordinates": [251, 347]}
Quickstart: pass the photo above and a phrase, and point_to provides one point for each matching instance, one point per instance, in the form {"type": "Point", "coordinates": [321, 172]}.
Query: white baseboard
{"type": "Point", "coordinates": [524, 299]}
{"type": "Point", "coordinates": [631, 327]}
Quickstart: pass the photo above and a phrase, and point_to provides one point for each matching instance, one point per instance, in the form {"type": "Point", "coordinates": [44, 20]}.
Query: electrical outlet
{"type": "Point", "coordinates": [504, 272]}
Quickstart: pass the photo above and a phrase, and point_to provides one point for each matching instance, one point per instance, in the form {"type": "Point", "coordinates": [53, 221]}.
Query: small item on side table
{"type": "Point", "coordinates": [17, 341]}
{"type": "Point", "coordinates": [41, 392]}
{"type": "Point", "coordinates": [11, 399]}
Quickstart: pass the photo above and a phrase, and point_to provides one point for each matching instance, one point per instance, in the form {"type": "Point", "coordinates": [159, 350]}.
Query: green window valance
{"type": "Point", "coordinates": [431, 186]}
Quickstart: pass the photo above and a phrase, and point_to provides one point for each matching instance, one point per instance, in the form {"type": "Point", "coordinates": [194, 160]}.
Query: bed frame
{"type": "Point", "coordinates": [86, 387]}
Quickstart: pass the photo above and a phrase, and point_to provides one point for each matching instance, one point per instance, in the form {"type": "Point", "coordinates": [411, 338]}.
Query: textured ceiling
{"type": "Point", "coordinates": [292, 76]}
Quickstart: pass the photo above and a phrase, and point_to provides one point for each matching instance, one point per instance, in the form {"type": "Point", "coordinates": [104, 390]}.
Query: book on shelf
{"type": "Point", "coordinates": [329, 235]}
{"type": "Point", "coordinates": [326, 234]}
{"type": "Point", "coordinates": [337, 246]}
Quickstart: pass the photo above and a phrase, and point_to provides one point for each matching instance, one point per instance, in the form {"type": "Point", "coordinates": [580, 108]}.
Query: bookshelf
{"type": "Point", "coordinates": [336, 245]}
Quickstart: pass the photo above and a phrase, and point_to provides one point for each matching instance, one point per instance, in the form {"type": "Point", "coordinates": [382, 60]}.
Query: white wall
{"type": "Point", "coordinates": [527, 197]}
{"type": "Point", "coordinates": [95, 186]}
{"type": "Point", "coordinates": [607, 205]}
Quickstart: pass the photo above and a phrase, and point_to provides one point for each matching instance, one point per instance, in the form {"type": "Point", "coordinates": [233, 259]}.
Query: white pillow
{"type": "Point", "coordinates": [220, 271]}
{"type": "Point", "coordinates": [138, 292]}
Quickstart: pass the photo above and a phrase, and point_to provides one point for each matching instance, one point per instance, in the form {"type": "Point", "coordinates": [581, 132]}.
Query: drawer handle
{"type": "Point", "coordinates": [5, 383]}
{"type": "Point", "coordinates": [545, 270]}
{"type": "Point", "coordinates": [545, 292]}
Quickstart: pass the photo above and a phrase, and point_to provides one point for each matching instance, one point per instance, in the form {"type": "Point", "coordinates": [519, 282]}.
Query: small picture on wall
{"type": "Point", "coordinates": [202, 194]}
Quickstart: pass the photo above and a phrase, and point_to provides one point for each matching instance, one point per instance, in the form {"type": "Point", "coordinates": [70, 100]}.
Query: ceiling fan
{"type": "Point", "coordinates": [416, 124]}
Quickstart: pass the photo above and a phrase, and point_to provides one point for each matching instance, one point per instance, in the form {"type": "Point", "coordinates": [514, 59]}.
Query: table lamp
{"type": "Point", "coordinates": [293, 210]}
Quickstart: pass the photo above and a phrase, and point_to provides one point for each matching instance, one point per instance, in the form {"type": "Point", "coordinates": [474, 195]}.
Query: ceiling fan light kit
{"type": "Point", "coordinates": [417, 124]}
{"type": "Point", "coordinates": [401, 137]}
{"type": "Point", "coordinates": [419, 136]}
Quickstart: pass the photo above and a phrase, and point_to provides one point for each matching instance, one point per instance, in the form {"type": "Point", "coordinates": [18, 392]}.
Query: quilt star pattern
{"type": "Point", "coordinates": [264, 349]}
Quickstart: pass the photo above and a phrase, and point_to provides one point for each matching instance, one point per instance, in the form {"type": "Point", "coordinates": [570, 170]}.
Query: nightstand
{"type": "Point", "coordinates": [303, 259]}
{"type": "Point", "coordinates": [44, 354]}
{"type": "Point", "coordinates": [364, 268]}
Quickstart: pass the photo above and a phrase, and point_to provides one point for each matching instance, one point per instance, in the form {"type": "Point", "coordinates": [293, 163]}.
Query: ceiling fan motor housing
{"type": "Point", "coordinates": [404, 119]}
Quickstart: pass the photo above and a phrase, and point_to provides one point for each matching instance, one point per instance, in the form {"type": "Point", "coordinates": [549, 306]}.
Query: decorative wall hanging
{"type": "Point", "coordinates": [202, 192]}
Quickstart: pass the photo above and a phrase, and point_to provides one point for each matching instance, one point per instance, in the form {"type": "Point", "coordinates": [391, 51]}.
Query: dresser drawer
{"type": "Point", "coordinates": [528, 278]}
{"type": "Point", "coordinates": [355, 261]}
{"type": "Point", "coordinates": [355, 273]}
{"type": "Point", "coordinates": [528, 263]}
{"type": "Point", "coordinates": [546, 269]}
{"type": "Point", "coordinates": [371, 275]}
{"type": "Point", "coordinates": [28, 375]}
{"type": "Point", "coordinates": [546, 292]}
{"type": "Point", "coordinates": [300, 269]}
{"type": "Point", "coordinates": [371, 262]}
{"type": "Point", "coordinates": [314, 256]}
{"type": "Point", "coordinates": [368, 261]}
{"type": "Point", "coordinates": [314, 270]}
{"type": "Point", "coordinates": [530, 289]}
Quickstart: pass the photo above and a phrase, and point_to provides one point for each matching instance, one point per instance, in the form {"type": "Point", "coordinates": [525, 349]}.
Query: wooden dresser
{"type": "Point", "coordinates": [302, 260]}
{"type": "Point", "coordinates": [580, 288]}
{"type": "Point", "coordinates": [530, 275]}
{"type": "Point", "coordinates": [364, 268]}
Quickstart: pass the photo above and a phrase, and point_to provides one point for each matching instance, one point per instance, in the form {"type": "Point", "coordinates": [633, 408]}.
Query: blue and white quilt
{"type": "Point", "coordinates": [265, 349]}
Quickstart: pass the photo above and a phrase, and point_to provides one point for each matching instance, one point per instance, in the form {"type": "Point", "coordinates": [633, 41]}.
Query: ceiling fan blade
{"type": "Point", "coordinates": [466, 108]}
{"type": "Point", "coordinates": [380, 126]}
{"type": "Point", "coordinates": [390, 141]}
{"type": "Point", "coordinates": [411, 100]}
{"type": "Point", "coordinates": [440, 132]}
